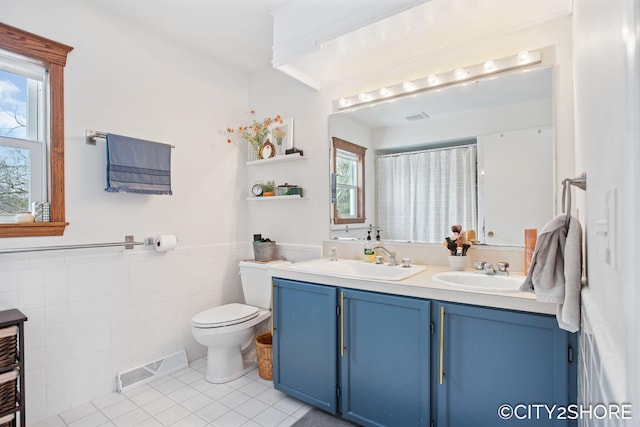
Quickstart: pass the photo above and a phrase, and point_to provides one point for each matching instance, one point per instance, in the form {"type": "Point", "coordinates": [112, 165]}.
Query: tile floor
{"type": "Point", "coordinates": [185, 399]}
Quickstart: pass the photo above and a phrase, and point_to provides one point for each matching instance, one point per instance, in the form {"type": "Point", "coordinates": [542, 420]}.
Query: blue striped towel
{"type": "Point", "coordinates": [138, 166]}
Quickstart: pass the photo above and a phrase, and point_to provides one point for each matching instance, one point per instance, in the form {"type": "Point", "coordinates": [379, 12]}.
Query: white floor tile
{"type": "Point", "coordinates": [197, 402]}
{"type": "Point", "coordinates": [253, 389]}
{"type": "Point", "coordinates": [79, 412]}
{"type": "Point", "coordinates": [159, 405]}
{"type": "Point", "coordinates": [270, 396]}
{"type": "Point", "coordinates": [288, 405]}
{"type": "Point", "coordinates": [172, 415]}
{"type": "Point", "coordinates": [271, 417]}
{"type": "Point", "coordinates": [93, 420]}
{"type": "Point", "coordinates": [218, 391]}
{"type": "Point", "coordinates": [186, 399]}
{"type": "Point", "coordinates": [191, 421]}
{"type": "Point", "coordinates": [150, 423]}
{"type": "Point", "coordinates": [120, 408]}
{"type": "Point", "coordinates": [132, 418]}
{"type": "Point", "coordinates": [183, 394]}
{"type": "Point", "coordinates": [202, 385]}
{"type": "Point", "coordinates": [170, 386]}
{"type": "Point", "coordinates": [146, 397]}
{"type": "Point", "coordinates": [213, 411]}
{"type": "Point", "coordinates": [108, 400]}
{"type": "Point", "coordinates": [50, 422]}
{"type": "Point", "coordinates": [230, 419]}
{"type": "Point", "coordinates": [234, 399]}
{"type": "Point", "coordinates": [251, 408]}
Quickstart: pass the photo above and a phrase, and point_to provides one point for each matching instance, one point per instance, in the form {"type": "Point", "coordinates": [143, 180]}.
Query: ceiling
{"type": "Point", "coordinates": [239, 33]}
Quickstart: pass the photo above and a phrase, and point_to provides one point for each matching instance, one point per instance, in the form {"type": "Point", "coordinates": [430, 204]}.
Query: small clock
{"type": "Point", "coordinates": [267, 150]}
{"type": "Point", "coordinates": [256, 190]}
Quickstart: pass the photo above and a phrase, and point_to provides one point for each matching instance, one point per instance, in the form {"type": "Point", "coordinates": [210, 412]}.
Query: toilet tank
{"type": "Point", "coordinates": [256, 282]}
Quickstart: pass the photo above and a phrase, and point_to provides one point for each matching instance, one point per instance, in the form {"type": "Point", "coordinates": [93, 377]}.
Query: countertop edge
{"type": "Point", "coordinates": [422, 286]}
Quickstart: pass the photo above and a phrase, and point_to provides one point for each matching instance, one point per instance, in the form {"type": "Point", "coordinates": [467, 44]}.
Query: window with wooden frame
{"type": "Point", "coordinates": [51, 57]}
{"type": "Point", "coordinates": [348, 169]}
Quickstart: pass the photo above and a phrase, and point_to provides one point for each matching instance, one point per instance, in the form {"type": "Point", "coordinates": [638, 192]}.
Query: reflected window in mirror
{"type": "Point", "coordinates": [348, 169]}
{"type": "Point", "coordinates": [421, 194]}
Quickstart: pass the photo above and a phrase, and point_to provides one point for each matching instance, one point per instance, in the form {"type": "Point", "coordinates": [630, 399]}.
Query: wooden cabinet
{"type": "Point", "coordinates": [485, 358]}
{"type": "Point", "coordinates": [305, 342]}
{"type": "Point", "coordinates": [12, 404]}
{"type": "Point", "coordinates": [386, 360]}
{"type": "Point", "coordinates": [381, 342]}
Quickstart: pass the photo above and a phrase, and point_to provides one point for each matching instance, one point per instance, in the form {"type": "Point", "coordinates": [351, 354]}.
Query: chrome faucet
{"type": "Point", "coordinates": [488, 269]}
{"type": "Point", "coordinates": [502, 267]}
{"type": "Point", "coordinates": [390, 254]}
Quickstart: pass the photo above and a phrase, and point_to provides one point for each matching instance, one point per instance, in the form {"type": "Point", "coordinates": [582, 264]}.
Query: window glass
{"type": "Point", "coordinates": [22, 134]}
{"type": "Point", "coordinates": [346, 183]}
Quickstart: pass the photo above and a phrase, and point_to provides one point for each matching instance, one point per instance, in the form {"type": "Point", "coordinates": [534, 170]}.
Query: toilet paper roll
{"type": "Point", "coordinates": [166, 242]}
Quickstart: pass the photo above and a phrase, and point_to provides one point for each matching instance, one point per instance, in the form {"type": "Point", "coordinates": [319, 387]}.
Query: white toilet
{"type": "Point", "coordinates": [228, 329]}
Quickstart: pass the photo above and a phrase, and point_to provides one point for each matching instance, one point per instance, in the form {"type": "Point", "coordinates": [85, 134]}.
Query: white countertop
{"type": "Point", "coordinates": [421, 285]}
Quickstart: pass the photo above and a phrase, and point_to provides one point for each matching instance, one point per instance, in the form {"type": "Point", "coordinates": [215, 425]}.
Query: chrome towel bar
{"type": "Point", "coordinates": [91, 136]}
{"type": "Point", "coordinates": [128, 243]}
{"type": "Point", "coordinates": [581, 182]}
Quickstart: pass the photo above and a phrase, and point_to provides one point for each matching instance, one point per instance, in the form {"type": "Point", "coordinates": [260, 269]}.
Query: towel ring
{"type": "Point", "coordinates": [581, 182]}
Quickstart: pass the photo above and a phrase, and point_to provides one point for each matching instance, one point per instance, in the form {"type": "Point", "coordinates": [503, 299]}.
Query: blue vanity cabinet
{"type": "Point", "coordinates": [384, 362]}
{"type": "Point", "coordinates": [305, 342]}
{"type": "Point", "coordinates": [484, 358]}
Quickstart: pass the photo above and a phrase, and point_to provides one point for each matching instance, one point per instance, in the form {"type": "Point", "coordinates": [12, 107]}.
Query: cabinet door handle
{"type": "Point", "coordinates": [341, 324]}
{"type": "Point", "coordinates": [273, 304]}
{"type": "Point", "coordinates": [441, 343]}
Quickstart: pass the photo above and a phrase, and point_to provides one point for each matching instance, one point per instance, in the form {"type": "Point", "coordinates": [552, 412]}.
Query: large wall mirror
{"type": "Point", "coordinates": [480, 154]}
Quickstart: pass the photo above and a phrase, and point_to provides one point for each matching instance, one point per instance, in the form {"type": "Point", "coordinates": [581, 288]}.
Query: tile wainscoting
{"type": "Point", "coordinates": [95, 312]}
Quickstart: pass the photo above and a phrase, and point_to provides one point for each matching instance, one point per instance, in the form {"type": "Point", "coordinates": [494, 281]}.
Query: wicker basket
{"type": "Point", "coordinates": [264, 350]}
{"type": "Point", "coordinates": [8, 346]}
{"type": "Point", "coordinates": [8, 382]}
{"type": "Point", "coordinates": [7, 420]}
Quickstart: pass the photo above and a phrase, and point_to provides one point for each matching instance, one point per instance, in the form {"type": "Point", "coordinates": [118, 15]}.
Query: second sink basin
{"type": "Point", "coordinates": [357, 269]}
{"type": "Point", "coordinates": [479, 282]}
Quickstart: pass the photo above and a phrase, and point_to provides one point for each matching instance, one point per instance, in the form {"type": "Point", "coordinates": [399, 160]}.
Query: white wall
{"type": "Point", "coordinates": [607, 138]}
{"type": "Point", "coordinates": [95, 312]}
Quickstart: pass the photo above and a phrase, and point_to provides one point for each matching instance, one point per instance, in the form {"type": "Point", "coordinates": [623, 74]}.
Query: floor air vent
{"type": "Point", "coordinates": [150, 371]}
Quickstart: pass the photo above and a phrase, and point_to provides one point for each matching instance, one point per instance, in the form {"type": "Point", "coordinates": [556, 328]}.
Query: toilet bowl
{"type": "Point", "coordinates": [229, 329]}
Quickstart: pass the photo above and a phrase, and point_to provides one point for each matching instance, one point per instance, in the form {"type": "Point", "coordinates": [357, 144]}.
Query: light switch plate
{"type": "Point", "coordinates": [611, 213]}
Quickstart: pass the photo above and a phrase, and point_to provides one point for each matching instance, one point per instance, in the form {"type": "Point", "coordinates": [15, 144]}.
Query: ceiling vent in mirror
{"type": "Point", "coordinates": [417, 116]}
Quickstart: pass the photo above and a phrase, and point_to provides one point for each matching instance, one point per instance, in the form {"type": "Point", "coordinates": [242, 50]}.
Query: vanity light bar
{"type": "Point", "coordinates": [434, 81]}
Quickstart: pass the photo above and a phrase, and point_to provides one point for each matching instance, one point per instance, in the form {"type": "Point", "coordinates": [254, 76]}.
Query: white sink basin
{"type": "Point", "coordinates": [478, 281]}
{"type": "Point", "coordinates": [357, 269]}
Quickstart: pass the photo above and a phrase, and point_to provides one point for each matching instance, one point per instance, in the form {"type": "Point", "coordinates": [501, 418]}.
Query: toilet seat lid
{"type": "Point", "coordinates": [224, 315]}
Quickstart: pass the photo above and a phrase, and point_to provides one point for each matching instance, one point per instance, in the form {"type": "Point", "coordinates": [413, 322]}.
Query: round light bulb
{"type": "Point", "coordinates": [433, 80]}
{"type": "Point", "coordinates": [408, 86]}
{"type": "Point", "coordinates": [460, 73]}
{"type": "Point", "coordinates": [363, 97]}
{"type": "Point", "coordinates": [523, 56]}
{"type": "Point", "coordinates": [343, 102]}
{"type": "Point", "coordinates": [489, 65]}
{"type": "Point", "coordinates": [384, 92]}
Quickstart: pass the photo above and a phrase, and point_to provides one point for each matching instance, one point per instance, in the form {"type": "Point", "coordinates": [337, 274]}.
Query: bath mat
{"type": "Point", "coordinates": [318, 418]}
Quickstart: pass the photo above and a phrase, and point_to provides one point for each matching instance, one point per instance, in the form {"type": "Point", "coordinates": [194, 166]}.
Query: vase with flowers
{"type": "Point", "coordinates": [254, 133]}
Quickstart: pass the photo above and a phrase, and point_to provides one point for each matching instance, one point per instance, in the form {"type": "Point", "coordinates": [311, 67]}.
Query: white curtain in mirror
{"type": "Point", "coordinates": [421, 194]}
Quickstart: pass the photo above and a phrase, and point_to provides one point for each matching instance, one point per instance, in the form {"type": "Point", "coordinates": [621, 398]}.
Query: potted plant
{"type": "Point", "coordinates": [267, 188]}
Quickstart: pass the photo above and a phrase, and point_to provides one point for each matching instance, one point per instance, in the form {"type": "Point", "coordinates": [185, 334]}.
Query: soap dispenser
{"type": "Point", "coordinates": [369, 254]}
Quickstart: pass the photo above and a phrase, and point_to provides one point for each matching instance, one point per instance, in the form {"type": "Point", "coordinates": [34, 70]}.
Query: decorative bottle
{"type": "Point", "coordinates": [369, 254]}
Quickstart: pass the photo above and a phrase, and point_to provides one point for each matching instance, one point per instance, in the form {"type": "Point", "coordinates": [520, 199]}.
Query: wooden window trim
{"type": "Point", "coordinates": [341, 144]}
{"type": "Point", "coordinates": [53, 56]}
